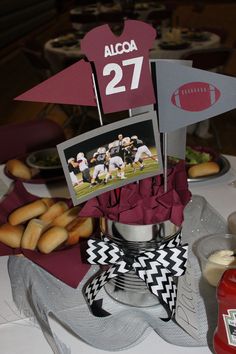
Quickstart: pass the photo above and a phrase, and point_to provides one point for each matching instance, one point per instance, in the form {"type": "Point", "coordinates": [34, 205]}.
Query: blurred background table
{"type": "Point", "coordinates": [64, 51]}
{"type": "Point", "coordinates": [158, 52]}
{"type": "Point", "coordinates": [29, 24]}
{"type": "Point", "coordinates": [85, 17]}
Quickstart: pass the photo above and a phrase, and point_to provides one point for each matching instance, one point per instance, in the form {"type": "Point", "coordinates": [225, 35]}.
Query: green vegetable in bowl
{"type": "Point", "coordinates": [50, 160]}
{"type": "Point", "coordinates": [195, 157]}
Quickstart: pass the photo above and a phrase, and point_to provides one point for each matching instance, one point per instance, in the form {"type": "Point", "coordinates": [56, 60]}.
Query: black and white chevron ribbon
{"type": "Point", "coordinates": [155, 267]}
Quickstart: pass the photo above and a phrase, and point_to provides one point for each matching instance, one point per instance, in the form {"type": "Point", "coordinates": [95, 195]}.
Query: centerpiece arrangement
{"type": "Point", "coordinates": [119, 175]}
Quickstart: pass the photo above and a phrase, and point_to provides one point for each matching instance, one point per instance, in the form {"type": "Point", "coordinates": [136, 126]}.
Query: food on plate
{"type": "Point", "coordinates": [200, 162]}
{"type": "Point", "coordinates": [19, 169]}
{"type": "Point", "coordinates": [217, 263]}
{"type": "Point", "coordinates": [67, 40]}
{"type": "Point", "coordinates": [193, 156]}
{"type": "Point", "coordinates": [80, 227]}
{"type": "Point", "coordinates": [53, 211]}
{"type": "Point", "coordinates": [141, 6]}
{"type": "Point", "coordinates": [196, 35]}
{"type": "Point", "coordinates": [203, 169]}
{"type": "Point", "coordinates": [52, 239]}
{"type": "Point", "coordinates": [32, 233]}
{"type": "Point", "coordinates": [27, 212]}
{"type": "Point", "coordinates": [48, 161]}
{"type": "Point", "coordinates": [65, 218]}
{"type": "Point", "coordinates": [11, 235]}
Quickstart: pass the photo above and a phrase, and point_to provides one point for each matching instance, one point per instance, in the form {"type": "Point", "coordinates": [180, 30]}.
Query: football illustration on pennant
{"type": "Point", "coordinates": [195, 96]}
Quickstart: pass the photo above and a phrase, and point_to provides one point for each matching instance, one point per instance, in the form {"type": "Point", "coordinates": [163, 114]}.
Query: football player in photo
{"type": "Point", "coordinates": [120, 138]}
{"type": "Point", "coordinates": [73, 171]}
{"type": "Point", "coordinates": [128, 153]}
{"type": "Point", "coordinates": [100, 160]}
{"type": "Point", "coordinates": [141, 149]}
{"type": "Point", "coordinates": [83, 167]}
{"type": "Point", "coordinates": [115, 161]}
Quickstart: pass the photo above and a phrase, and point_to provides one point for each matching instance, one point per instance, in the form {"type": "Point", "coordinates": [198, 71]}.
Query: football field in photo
{"type": "Point", "coordinates": [84, 189]}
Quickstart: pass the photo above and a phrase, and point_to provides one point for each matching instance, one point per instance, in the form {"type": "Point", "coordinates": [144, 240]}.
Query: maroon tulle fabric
{"type": "Point", "coordinates": [144, 202]}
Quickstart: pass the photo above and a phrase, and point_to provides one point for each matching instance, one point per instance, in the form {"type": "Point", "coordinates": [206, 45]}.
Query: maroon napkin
{"type": "Point", "coordinates": [144, 202]}
{"type": "Point", "coordinates": [66, 264]}
{"type": "Point", "coordinates": [17, 197]}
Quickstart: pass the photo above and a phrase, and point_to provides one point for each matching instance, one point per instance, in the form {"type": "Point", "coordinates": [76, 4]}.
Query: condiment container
{"type": "Point", "coordinates": [224, 341]}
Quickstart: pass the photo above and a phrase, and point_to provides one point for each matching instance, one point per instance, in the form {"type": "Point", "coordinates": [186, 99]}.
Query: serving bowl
{"type": "Point", "coordinates": [196, 155]}
{"type": "Point", "coordinates": [45, 160]}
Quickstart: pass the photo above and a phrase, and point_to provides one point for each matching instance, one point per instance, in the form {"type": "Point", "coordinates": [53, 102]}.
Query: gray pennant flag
{"type": "Point", "coordinates": [187, 95]}
{"type": "Point", "coordinates": [176, 140]}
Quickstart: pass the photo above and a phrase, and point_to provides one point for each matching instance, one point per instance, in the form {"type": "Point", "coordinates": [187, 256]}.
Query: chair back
{"type": "Point", "coordinates": [110, 17]}
{"type": "Point", "coordinates": [38, 62]}
{"type": "Point", "coordinates": [158, 16]}
{"type": "Point", "coordinates": [214, 59]}
{"type": "Point", "coordinates": [18, 139]}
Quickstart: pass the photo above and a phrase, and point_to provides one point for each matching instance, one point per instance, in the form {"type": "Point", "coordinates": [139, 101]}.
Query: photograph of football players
{"type": "Point", "coordinates": [113, 156]}
{"type": "Point", "coordinates": [140, 148]}
{"type": "Point", "coordinates": [99, 159]}
{"type": "Point", "coordinates": [115, 162]}
{"type": "Point", "coordinates": [73, 170]}
{"type": "Point", "coordinates": [83, 167]}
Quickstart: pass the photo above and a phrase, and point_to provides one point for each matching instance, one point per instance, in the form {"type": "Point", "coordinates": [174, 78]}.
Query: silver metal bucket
{"type": "Point", "coordinates": [129, 288]}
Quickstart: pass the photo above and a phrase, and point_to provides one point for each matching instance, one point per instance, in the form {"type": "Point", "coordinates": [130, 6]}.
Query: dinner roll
{"type": "Point", "coordinates": [11, 235]}
{"type": "Point", "coordinates": [48, 201]}
{"type": "Point", "coordinates": [18, 169]}
{"type": "Point", "coordinates": [203, 169]}
{"type": "Point", "coordinates": [80, 227]}
{"type": "Point", "coordinates": [69, 215]}
{"type": "Point", "coordinates": [52, 238]}
{"type": "Point", "coordinates": [55, 210]}
{"type": "Point", "coordinates": [32, 233]}
{"type": "Point", "coordinates": [27, 212]}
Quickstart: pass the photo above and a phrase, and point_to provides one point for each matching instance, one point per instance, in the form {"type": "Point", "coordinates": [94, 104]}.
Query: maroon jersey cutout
{"type": "Point", "coordinates": [122, 64]}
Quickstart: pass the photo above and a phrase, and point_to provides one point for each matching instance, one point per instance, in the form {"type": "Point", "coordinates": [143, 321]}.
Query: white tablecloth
{"type": "Point", "coordinates": [19, 335]}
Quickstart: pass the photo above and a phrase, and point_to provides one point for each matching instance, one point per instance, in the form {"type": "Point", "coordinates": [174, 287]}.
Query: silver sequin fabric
{"type": "Point", "coordinates": [38, 294]}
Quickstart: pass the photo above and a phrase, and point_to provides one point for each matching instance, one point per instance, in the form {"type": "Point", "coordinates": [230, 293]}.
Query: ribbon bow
{"type": "Point", "coordinates": [155, 267]}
